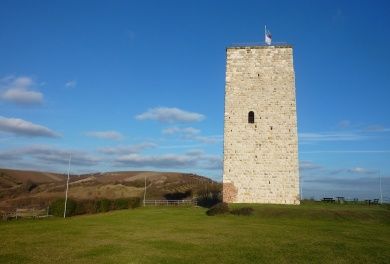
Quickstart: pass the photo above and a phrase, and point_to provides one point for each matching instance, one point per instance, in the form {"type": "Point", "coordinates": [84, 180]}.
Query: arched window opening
{"type": "Point", "coordinates": [251, 117]}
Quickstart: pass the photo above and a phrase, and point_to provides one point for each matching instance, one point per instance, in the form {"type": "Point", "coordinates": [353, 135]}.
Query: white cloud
{"type": "Point", "coordinates": [43, 154]}
{"type": "Point", "coordinates": [19, 90]}
{"type": "Point", "coordinates": [71, 84]}
{"type": "Point", "coordinates": [190, 160]}
{"type": "Point", "coordinates": [170, 115]}
{"type": "Point", "coordinates": [113, 135]}
{"type": "Point", "coordinates": [191, 133]}
{"type": "Point", "coordinates": [22, 127]}
{"type": "Point", "coordinates": [360, 170]}
{"type": "Point", "coordinates": [308, 165]}
{"type": "Point", "coordinates": [123, 150]}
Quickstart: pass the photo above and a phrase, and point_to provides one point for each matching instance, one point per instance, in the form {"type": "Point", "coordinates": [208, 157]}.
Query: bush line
{"type": "Point", "coordinates": [79, 207]}
{"type": "Point", "coordinates": [223, 208]}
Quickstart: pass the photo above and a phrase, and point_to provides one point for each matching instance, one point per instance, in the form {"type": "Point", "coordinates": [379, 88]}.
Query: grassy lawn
{"type": "Point", "coordinates": [308, 233]}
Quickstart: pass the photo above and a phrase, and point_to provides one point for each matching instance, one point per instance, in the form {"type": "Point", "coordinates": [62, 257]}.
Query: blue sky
{"type": "Point", "coordinates": [140, 86]}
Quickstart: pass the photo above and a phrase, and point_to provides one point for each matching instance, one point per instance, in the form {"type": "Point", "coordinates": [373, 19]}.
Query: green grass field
{"type": "Point", "coordinates": [311, 233]}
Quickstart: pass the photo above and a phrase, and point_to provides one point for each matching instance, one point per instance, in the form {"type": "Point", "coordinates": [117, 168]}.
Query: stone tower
{"type": "Point", "coordinates": [260, 132]}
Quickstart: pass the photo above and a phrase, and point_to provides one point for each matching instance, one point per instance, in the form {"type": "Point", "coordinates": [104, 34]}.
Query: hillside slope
{"type": "Point", "coordinates": [36, 189]}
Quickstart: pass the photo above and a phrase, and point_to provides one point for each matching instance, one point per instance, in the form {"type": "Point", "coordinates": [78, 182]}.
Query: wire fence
{"type": "Point", "coordinates": [26, 213]}
{"type": "Point", "coordinates": [170, 203]}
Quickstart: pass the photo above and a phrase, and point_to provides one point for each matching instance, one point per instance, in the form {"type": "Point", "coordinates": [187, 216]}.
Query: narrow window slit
{"type": "Point", "coordinates": [251, 117]}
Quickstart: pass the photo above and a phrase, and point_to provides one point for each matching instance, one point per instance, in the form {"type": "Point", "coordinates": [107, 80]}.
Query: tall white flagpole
{"type": "Point", "coordinates": [380, 186]}
{"type": "Point", "coordinates": [67, 185]}
{"type": "Point", "coordinates": [145, 190]}
{"type": "Point", "coordinates": [300, 185]}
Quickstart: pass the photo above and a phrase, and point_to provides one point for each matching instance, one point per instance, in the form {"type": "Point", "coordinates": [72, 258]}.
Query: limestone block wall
{"type": "Point", "coordinates": [260, 158]}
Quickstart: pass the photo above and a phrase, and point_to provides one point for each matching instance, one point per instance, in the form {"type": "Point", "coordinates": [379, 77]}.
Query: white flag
{"type": "Point", "coordinates": [268, 37]}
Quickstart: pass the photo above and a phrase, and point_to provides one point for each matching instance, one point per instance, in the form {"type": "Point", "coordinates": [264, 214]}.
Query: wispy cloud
{"type": "Point", "coordinates": [213, 139]}
{"type": "Point", "coordinates": [330, 136]}
{"type": "Point", "coordinates": [170, 115]}
{"type": "Point", "coordinates": [345, 151]}
{"type": "Point", "coordinates": [112, 135]}
{"type": "Point", "coordinates": [160, 161]}
{"type": "Point", "coordinates": [344, 124]}
{"type": "Point", "coordinates": [123, 150]}
{"type": "Point", "coordinates": [186, 132]}
{"type": "Point", "coordinates": [71, 84]}
{"type": "Point", "coordinates": [354, 170]}
{"type": "Point", "coordinates": [20, 127]}
{"type": "Point", "coordinates": [19, 90]}
{"type": "Point", "coordinates": [360, 170]}
{"type": "Point", "coordinates": [376, 128]}
{"type": "Point", "coordinates": [353, 183]}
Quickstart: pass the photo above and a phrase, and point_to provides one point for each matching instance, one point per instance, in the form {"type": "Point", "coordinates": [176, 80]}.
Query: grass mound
{"type": "Point", "coordinates": [242, 211]}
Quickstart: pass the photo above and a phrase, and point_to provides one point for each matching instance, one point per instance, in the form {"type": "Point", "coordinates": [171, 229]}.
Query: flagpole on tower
{"type": "Point", "coordinates": [267, 36]}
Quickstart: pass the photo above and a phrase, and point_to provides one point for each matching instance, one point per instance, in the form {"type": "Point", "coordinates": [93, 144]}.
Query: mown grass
{"type": "Point", "coordinates": [308, 233]}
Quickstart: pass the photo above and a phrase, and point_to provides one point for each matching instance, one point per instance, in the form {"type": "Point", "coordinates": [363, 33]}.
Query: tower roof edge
{"type": "Point", "coordinates": [259, 46]}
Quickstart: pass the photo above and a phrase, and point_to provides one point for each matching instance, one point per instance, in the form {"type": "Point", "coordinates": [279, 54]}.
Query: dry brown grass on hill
{"type": "Point", "coordinates": [37, 189]}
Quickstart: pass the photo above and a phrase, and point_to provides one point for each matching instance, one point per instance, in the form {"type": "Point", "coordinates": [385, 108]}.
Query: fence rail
{"type": "Point", "coordinates": [26, 213]}
{"type": "Point", "coordinates": [169, 202]}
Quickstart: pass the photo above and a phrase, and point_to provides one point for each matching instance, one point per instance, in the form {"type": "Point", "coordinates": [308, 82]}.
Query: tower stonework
{"type": "Point", "coordinates": [260, 128]}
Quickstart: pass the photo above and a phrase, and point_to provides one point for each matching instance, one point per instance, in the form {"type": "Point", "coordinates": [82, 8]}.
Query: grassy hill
{"type": "Point", "coordinates": [36, 189]}
{"type": "Point", "coordinates": [309, 233]}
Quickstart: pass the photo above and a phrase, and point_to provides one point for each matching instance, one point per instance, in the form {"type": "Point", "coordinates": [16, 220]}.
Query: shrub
{"type": "Point", "coordinates": [56, 208]}
{"type": "Point", "coordinates": [134, 202]}
{"type": "Point", "coordinates": [125, 203]}
{"type": "Point", "coordinates": [178, 195]}
{"type": "Point", "coordinates": [220, 208]}
{"type": "Point", "coordinates": [86, 207]}
{"type": "Point", "coordinates": [29, 185]}
{"type": "Point", "coordinates": [242, 211]}
{"type": "Point", "coordinates": [136, 183]}
{"type": "Point", "coordinates": [79, 207]}
{"type": "Point", "coordinates": [120, 204]}
{"type": "Point", "coordinates": [103, 205]}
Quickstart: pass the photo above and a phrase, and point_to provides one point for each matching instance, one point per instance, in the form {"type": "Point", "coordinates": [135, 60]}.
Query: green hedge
{"type": "Point", "coordinates": [78, 207]}
{"type": "Point", "coordinates": [57, 207]}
